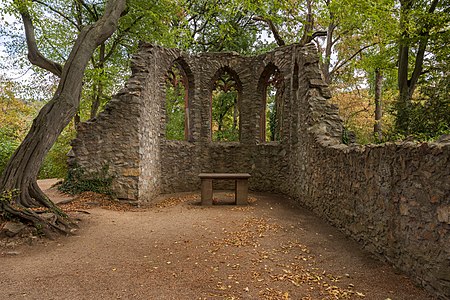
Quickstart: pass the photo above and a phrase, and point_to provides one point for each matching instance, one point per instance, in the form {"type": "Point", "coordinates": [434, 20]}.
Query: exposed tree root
{"type": "Point", "coordinates": [35, 209]}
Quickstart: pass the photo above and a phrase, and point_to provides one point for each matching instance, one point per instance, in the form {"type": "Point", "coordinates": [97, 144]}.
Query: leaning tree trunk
{"type": "Point", "coordinates": [18, 187]}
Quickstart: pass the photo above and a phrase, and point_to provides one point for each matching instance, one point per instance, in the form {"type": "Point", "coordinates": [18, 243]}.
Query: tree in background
{"type": "Point", "coordinates": [18, 187]}
{"type": "Point", "coordinates": [419, 21]}
{"type": "Point", "coordinates": [108, 67]}
{"type": "Point", "coordinates": [15, 118]}
{"type": "Point", "coordinates": [176, 97]}
{"type": "Point", "coordinates": [424, 30]}
{"type": "Point", "coordinates": [225, 108]}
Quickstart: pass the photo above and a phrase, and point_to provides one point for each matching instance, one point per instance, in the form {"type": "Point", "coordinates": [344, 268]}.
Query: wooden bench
{"type": "Point", "coordinates": [240, 187]}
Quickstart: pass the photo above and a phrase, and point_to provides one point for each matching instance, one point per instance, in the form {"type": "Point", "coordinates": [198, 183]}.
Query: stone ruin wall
{"type": "Point", "coordinates": [182, 161]}
{"type": "Point", "coordinates": [393, 198]}
{"type": "Point", "coordinates": [110, 143]}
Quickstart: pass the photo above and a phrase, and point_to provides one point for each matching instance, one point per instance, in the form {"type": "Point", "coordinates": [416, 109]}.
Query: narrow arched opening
{"type": "Point", "coordinates": [225, 112]}
{"type": "Point", "coordinates": [271, 86]}
{"type": "Point", "coordinates": [177, 103]}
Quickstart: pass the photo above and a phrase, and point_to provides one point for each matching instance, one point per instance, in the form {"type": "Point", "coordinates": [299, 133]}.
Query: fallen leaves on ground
{"type": "Point", "coordinates": [273, 294]}
{"type": "Point", "coordinates": [88, 200]}
{"type": "Point", "coordinates": [281, 273]}
{"type": "Point", "coordinates": [252, 229]}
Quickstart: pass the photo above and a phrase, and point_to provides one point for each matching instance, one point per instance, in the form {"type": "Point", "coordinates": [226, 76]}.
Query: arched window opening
{"type": "Point", "coordinates": [225, 107]}
{"type": "Point", "coordinates": [272, 113]}
{"type": "Point", "coordinates": [176, 103]}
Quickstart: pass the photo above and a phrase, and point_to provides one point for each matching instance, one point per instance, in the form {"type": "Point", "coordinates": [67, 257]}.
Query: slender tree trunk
{"type": "Point", "coordinates": [98, 92]}
{"type": "Point", "coordinates": [98, 83]}
{"type": "Point", "coordinates": [220, 124]}
{"type": "Point", "coordinates": [378, 104]}
{"type": "Point", "coordinates": [278, 132]}
{"type": "Point", "coordinates": [403, 103]}
{"type": "Point", "coordinates": [328, 50]}
{"type": "Point", "coordinates": [235, 114]}
{"type": "Point", "coordinates": [20, 174]}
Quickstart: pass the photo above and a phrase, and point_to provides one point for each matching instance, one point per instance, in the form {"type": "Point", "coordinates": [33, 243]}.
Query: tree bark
{"type": "Point", "coordinates": [20, 174]}
{"type": "Point", "coordinates": [308, 26]}
{"type": "Point", "coordinates": [378, 104]}
{"type": "Point", "coordinates": [328, 50]}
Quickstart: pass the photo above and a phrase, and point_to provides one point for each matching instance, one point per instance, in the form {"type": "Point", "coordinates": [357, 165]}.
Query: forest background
{"type": "Point", "coordinates": [386, 61]}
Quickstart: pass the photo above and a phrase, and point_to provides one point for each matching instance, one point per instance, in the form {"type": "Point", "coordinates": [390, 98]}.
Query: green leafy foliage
{"type": "Point", "coordinates": [7, 197]}
{"type": "Point", "coordinates": [225, 111]}
{"type": "Point", "coordinates": [55, 163]}
{"type": "Point", "coordinates": [271, 121]}
{"type": "Point", "coordinates": [175, 113]}
{"type": "Point", "coordinates": [225, 125]}
{"type": "Point", "coordinates": [77, 181]}
{"type": "Point", "coordinates": [272, 107]}
{"type": "Point", "coordinates": [15, 119]}
{"type": "Point", "coordinates": [430, 113]}
{"type": "Point", "coordinates": [175, 104]}
{"type": "Point", "coordinates": [7, 148]}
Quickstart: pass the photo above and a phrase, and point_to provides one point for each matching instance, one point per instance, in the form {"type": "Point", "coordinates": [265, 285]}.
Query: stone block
{"type": "Point", "coordinates": [443, 214]}
{"type": "Point", "coordinates": [317, 83]}
{"type": "Point", "coordinates": [131, 172]}
{"type": "Point", "coordinates": [11, 229]}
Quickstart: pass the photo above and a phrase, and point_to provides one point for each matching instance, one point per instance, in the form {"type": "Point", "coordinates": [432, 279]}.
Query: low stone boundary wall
{"type": "Point", "coordinates": [393, 198]}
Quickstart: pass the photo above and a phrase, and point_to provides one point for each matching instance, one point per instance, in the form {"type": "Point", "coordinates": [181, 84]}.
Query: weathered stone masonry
{"type": "Point", "coordinates": [393, 198]}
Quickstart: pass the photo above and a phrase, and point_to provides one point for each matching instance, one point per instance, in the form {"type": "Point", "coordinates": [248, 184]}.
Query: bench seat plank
{"type": "Point", "coordinates": [224, 175]}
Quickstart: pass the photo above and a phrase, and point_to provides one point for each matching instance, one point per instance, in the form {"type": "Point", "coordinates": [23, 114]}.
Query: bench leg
{"type": "Point", "coordinates": [207, 191]}
{"type": "Point", "coordinates": [241, 192]}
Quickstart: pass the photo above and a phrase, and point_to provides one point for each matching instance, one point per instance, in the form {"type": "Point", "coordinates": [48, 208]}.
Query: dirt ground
{"type": "Point", "coordinates": [177, 249]}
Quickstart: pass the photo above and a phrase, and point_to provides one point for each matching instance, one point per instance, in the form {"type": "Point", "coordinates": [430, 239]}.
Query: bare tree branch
{"type": "Point", "coordinates": [89, 10]}
{"type": "Point", "coordinates": [273, 28]}
{"type": "Point", "coordinates": [119, 39]}
{"type": "Point", "coordinates": [318, 33]}
{"type": "Point", "coordinates": [333, 42]}
{"type": "Point", "coordinates": [58, 13]}
{"type": "Point", "coordinates": [345, 61]}
{"type": "Point", "coordinates": [308, 25]}
{"type": "Point", "coordinates": [34, 55]}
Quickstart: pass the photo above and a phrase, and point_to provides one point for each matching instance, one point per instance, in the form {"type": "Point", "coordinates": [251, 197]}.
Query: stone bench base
{"type": "Point", "coordinates": [240, 188]}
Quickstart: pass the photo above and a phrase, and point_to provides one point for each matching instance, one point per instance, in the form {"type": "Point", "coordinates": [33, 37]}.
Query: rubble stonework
{"type": "Point", "coordinates": [394, 198]}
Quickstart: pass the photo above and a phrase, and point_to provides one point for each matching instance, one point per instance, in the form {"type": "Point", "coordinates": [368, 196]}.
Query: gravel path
{"type": "Point", "coordinates": [270, 249]}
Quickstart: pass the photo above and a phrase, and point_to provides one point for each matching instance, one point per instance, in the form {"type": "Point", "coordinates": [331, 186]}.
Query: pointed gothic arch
{"type": "Point", "coordinates": [178, 87]}
{"type": "Point", "coordinates": [271, 87]}
{"type": "Point", "coordinates": [226, 91]}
